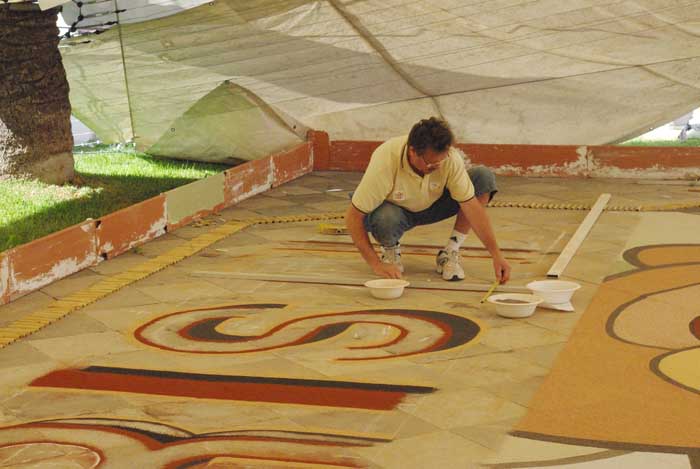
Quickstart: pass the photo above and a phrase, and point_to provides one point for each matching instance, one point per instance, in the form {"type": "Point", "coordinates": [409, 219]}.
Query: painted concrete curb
{"type": "Point", "coordinates": [193, 200]}
{"type": "Point", "coordinates": [31, 266]}
{"type": "Point", "coordinates": [45, 260]}
{"type": "Point", "coordinates": [132, 226]}
{"type": "Point", "coordinates": [596, 161]}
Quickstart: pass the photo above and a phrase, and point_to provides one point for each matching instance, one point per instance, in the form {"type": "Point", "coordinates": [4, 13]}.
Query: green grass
{"type": "Point", "coordinates": [691, 142]}
{"type": "Point", "coordinates": [109, 178]}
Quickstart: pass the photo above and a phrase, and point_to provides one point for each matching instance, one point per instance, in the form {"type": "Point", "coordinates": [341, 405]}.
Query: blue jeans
{"type": "Point", "coordinates": [389, 222]}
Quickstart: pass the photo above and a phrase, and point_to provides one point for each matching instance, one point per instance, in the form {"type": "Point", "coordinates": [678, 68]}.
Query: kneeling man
{"type": "Point", "coordinates": [420, 179]}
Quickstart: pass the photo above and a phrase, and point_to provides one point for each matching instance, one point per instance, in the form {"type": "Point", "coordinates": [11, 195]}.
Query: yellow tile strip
{"type": "Point", "coordinates": [609, 208]}
{"type": "Point", "coordinates": [64, 306]}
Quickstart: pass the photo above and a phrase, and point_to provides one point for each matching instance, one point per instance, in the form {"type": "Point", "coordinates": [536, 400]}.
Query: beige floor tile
{"type": "Point", "coordinates": [158, 246]}
{"type": "Point", "coordinates": [515, 450]}
{"type": "Point", "coordinates": [76, 282]}
{"type": "Point", "coordinates": [202, 415]}
{"type": "Point", "coordinates": [267, 365]}
{"type": "Point", "coordinates": [438, 449]}
{"type": "Point", "coordinates": [490, 435]}
{"type": "Point", "coordinates": [16, 377]}
{"type": "Point", "coordinates": [521, 335]}
{"type": "Point", "coordinates": [392, 425]}
{"type": "Point", "coordinates": [83, 348]}
{"type": "Point", "coordinates": [45, 403]}
{"type": "Point", "coordinates": [117, 265]}
{"type": "Point", "coordinates": [71, 325]}
{"type": "Point", "coordinates": [126, 297]}
{"type": "Point", "coordinates": [520, 392]}
{"type": "Point", "coordinates": [185, 291]}
{"type": "Point", "coordinates": [263, 202]}
{"type": "Point", "coordinates": [466, 407]}
{"type": "Point", "coordinates": [558, 321]}
{"type": "Point", "coordinates": [330, 206]}
{"type": "Point", "coordinates": [291, 190]}
{"type": "Point", "coordinates": [542, 355]}
{"type": "Point", "coordinates": [490, 369]}
{"type": "Point", "coordinates": [20, 353]}
{"type": "Point", "coordinates": [24, 306]}
{"type": "Point", "coordinates": [237, 213]}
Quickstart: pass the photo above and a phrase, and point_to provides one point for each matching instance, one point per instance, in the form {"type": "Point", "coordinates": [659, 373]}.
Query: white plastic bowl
{"type": "Point", "coordinates": [386, 288]}
{"type": "Point", "coordinates": [554, 291]}
{"type": "Point", "coordinates": [524, 307]}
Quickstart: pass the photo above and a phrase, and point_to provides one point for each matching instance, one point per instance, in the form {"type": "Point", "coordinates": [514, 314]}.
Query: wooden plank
{"type": "Point", "coordinates": [572, 246]}
{"type": "Point", "coordinates": [439, 284]}
{"type": "Point", "coordinates": [667, 182]}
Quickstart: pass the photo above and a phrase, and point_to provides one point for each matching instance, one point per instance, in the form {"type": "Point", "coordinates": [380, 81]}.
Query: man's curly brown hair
{"type": "Point", "coordinates": [431, 133]}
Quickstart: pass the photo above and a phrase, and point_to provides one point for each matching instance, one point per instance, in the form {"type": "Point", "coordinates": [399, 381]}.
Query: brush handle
{"type": "Point", "coordinates": [488, 293]}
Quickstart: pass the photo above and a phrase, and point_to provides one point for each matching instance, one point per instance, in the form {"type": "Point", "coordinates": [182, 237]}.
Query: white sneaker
{"type": "Point", "coordinates": [392, 256]}
{"type": "Point", "coordinates": [448, 265]}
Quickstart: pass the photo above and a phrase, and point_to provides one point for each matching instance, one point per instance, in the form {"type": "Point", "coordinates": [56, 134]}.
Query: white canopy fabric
{"type": "Point", "coordinates": [500, 71]}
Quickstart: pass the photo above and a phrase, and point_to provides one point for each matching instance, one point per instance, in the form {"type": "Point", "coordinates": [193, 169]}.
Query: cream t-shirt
{"type": "Point", "coordinates": [390, 177]}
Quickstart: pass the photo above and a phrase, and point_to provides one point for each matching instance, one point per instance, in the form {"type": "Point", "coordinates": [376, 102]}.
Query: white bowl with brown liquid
{"type": "Point", "coordinates": [515, 305]}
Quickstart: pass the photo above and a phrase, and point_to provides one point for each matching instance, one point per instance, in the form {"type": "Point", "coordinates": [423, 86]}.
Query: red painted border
{"type": "Point", "coordinates": [45, 260]}
{"type": "Point", "coordinates": [350, 155]}
{"type": "Point", "coordinates": [522, 157]}
{"type": "Point", "coordinates": [345, 397]}
{"type": "Point", "coordinates": [321, 149]}
{"type": "Point", "coordinates": [124, 229]}
{"type": "Point", "coordinates": [626, 157]}
{"type": "Point", "coordinates": [247, 180]}
{"type": "Point", "coordinates": [291, 164]}
{"type": "Point", "coordinates": [548, 160]}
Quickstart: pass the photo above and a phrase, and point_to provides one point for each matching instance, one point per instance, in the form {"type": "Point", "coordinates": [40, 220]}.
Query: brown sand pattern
{"type": "Point", "coordinates": [605, 390]}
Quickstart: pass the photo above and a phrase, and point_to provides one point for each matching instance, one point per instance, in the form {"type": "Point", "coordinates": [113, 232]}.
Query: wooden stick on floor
{"type": "Point", "coordinates": [438, 284]}
{"type": "Point", "coordinates": [572, 246]}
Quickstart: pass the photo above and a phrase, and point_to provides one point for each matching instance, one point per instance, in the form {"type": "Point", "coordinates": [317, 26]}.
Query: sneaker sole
{"type": "Point", "coordinates": [454, 278]}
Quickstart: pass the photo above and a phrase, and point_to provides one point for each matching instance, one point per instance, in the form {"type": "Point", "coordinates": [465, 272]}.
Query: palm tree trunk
{"type": "Point", "coordinates": [35, 130]}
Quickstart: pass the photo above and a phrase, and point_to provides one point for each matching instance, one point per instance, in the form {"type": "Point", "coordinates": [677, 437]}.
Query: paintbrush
{"type": "Point", "coordinates": [488, 293]}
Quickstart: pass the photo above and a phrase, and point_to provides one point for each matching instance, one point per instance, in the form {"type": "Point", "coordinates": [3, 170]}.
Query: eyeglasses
{"type": "Point", "coordinates": [434, 165]}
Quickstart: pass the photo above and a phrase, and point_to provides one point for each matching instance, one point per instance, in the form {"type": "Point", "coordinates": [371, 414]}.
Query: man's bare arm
{"type": "Point", "coordinates": [354, 220]}
{"type": "Point", "coordinates": [480, 223]}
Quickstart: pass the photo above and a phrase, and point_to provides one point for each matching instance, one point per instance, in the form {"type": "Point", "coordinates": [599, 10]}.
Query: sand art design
{"type": "Point", "coordinates": [249, 328]}
{"type": "Point", "coordinates": [667, 319]}
{"type": "Point", "coordinates": [86, 443]}
{"type": "Point", "coordinates": [629, 377]}
{"type": "Point", "coordinates": [342, 394]}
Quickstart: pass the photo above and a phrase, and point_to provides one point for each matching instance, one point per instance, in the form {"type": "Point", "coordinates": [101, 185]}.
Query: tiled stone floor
{"type": "Point", "coordinates": [482, 386]}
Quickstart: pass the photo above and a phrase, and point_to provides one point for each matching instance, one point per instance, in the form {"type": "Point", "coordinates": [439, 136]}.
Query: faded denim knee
{"type": "Point", "coordinates": [484, 181]}
{"type": "Point", "coordinates": [388, 223]}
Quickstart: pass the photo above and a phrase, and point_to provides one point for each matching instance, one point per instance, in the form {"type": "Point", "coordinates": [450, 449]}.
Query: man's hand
{"type": "Point", "coordinates": [386, 270]}
{"type": "Point", "coordinates": [502, 269]}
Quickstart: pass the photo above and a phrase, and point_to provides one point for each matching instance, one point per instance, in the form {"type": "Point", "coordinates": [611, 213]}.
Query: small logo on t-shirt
{"type": "Point", "coordinates": [434, 186]}
{"type": "Point", "coordinates": [399, 195]}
